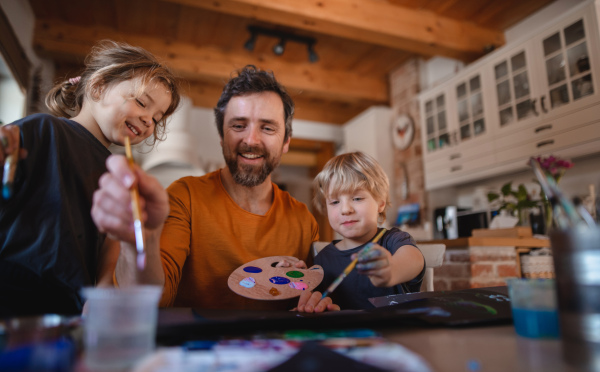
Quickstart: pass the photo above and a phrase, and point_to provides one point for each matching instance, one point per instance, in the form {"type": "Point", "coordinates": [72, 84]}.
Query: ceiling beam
{"type": "Point", "coordinates": [206, 94]}
{"type": "Point", "coordinates": [63, 41]}
{"type": "Point", "coordinates": [371, 21]}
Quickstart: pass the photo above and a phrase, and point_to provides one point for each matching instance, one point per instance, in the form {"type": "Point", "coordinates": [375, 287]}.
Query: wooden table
{"type": "Point", "coordinates": [490, 348]}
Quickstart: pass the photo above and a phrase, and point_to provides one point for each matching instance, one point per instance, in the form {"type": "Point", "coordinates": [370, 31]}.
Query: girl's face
{"type": "Point", "coordinates": [119, 113]}
{"type": "Point", "coordinates": [354, 216]}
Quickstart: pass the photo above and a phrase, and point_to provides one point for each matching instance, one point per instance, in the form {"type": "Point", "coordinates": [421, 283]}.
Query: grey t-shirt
{"type": "Point", "coordinates": [354, 292]}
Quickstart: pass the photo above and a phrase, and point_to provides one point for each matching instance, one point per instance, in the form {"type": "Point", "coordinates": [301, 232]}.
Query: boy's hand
{"type": "Point", "coordinates": [311, 302]}
{"type": "Point", "coordinates": [375, 263]}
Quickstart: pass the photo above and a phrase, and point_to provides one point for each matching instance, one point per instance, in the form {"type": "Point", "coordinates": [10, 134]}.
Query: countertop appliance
{"type": "Point", "coordinates": [452, 222]}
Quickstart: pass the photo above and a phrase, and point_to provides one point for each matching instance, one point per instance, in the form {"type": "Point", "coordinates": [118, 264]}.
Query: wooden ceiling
{"type": "Point", "coordinates": [358, 41]}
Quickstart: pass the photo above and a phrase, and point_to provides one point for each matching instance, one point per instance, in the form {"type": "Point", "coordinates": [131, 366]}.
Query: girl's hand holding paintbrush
{"type": "Point", "coordinates": [10, 154]}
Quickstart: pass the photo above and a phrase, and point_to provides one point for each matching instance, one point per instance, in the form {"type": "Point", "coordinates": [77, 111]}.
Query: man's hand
{"type": "Point", "coordinates": [111, 209]}
{"type": "Point", "coordinates": [296, 264]}
{"type": "Point", "coordinates": [311, 302]}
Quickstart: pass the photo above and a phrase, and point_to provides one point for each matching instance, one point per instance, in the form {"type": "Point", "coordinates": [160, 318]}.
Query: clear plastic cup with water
{"type": "Point", "coordinates": [119, 325]}
{"type": "Point", "coordinates": [534, 309]}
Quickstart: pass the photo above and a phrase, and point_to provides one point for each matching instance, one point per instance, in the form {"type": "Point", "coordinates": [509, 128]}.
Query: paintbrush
{"type": "Point", "coordinates": [565, 213]}
{"type": "Point", "coordinates": [137, 213]}
{"type": "Point", "coordinates": [350, 267]}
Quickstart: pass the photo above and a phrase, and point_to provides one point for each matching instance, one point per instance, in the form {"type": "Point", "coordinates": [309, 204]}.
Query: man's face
{"type": "Point", "coordinates": [253, 133]}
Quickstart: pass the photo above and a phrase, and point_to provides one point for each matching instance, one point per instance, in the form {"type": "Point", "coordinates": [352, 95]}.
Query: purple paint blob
{"type": "Point", "coordinates": [279, 280]}
{"type": "Point", "coordinates": [299, 285]}
{"type": "Point", "coordinates": [252, 269]}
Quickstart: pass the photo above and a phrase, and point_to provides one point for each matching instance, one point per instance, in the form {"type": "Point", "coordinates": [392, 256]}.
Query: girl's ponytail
{"type": "Point", "coordinates": [62, 99]}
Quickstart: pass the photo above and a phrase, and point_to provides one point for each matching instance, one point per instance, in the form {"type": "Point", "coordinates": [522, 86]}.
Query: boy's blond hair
{"type": "Point", "coordinates": [347, 173]}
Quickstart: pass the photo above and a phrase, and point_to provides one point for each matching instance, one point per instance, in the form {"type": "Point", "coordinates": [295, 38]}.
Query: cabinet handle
{"type": "Point", "coordinates": [544, 143]}
{"type": "Point", "coordinates": [454, 156]}
{"type": "Point", "coordinates": [455, 168]}
{"type": "Point", "coordinates": [543, 103]}
{"type": "Point", "coordinates": [542, 128]}
{"type": "Point", "coordinates": [533, 107]}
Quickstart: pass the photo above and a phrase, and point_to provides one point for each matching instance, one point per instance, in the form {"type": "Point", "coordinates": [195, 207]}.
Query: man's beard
{"type": "Point", "coordinates": [248, 175]}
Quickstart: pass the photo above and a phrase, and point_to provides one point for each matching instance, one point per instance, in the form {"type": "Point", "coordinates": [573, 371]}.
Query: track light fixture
{"type": "Point", "coordinates": [283, 37]}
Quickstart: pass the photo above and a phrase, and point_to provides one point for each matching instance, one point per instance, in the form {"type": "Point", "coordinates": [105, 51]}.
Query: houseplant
{"type": "Point", "coordinates": [516, 202]}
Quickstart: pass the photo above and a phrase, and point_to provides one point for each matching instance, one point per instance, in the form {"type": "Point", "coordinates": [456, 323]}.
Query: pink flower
{"type": "Point", "coordinates": [555, 166]}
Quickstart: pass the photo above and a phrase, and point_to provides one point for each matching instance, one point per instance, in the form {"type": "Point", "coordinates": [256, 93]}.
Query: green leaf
{"type": "Point", "coordinates": [492, 196]}
{"type": "Point", "coordinates": [522, 193]}
{"type": "Point", "coordinates": [506, 189]}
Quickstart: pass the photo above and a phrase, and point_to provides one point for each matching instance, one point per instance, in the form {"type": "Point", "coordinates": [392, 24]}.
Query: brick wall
{"type": "Point", "coordinates": [404, 88]}
{"type": "Point", "coordinates": [475, 267]}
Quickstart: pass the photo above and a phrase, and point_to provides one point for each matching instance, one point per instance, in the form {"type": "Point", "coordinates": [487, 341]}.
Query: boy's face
{"type": "Point", "coordinates": [354, 215]}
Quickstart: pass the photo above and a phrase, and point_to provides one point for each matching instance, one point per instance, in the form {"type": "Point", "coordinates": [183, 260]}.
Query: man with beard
{"type": "Point", "coordinates": [221, 220]}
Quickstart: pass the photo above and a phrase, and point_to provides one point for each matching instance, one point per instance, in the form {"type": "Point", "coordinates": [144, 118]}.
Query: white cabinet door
{"type": "Point", "coordinates": [568, 64]}
{"type": "Point", "coordinates": [515, 95]}
{"type": "Point", "coordinates": [438, 129]}
{"type": "Point", "coordinates": [471, 108]}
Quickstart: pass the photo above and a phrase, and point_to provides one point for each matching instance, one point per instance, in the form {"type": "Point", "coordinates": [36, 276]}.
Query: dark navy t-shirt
{"type": "Point", "coordinates": [355, 290]}
{"type": "Point", "coordinates": [49, 244]}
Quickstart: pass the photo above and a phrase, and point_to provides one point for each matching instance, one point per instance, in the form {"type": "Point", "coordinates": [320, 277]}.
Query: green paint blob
{"type": "Point", "coordinates": [294, 274]}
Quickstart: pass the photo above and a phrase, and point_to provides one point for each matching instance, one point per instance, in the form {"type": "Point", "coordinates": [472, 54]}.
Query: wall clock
{"type": "Point", "coordinates": [403, 131]}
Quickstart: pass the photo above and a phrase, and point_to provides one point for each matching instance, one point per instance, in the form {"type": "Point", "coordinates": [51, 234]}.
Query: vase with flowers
{"type": "Point", "coordinates": [557, 168]}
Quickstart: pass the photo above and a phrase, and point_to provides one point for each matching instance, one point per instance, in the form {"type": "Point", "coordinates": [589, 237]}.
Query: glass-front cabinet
{"type": "Point", "coordinates": [567, 61]}
{"type": "Point", "coordinates": [454, 113]}
{"type": "Point", "coordinates": [514, 96]}
{"type": "Point", "coordinates": [538, 95]}
{"type": "Point", "coordinates": [469, 101]}
{"type": "Point", "coordinates": [455, 138]}
{"type": "Point", "coordinates": [438, 136]}
{"type": "Point", "coordinates": [546, 76]}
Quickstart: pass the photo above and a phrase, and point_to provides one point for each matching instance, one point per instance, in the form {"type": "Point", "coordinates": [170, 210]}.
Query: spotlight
{"type": "Point", "coordinates": [249, 45]}
{"type": "Point", "coordinates": [279, 48]}
{"type": "Point", "coordinates": [312, 55]}
{"type": "Point", "coordinates": [283, 37]}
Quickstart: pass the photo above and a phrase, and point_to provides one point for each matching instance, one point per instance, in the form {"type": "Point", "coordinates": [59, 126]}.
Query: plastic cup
{"type": "Point", "coordinates": [119, 326]}
{"type": "Point", "coordinates": [534, 309]}
{"type": "Point", "coordinates": [576, 254]}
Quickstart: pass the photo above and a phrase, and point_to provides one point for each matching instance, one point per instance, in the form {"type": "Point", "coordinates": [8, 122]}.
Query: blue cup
{"type": "Point", "coordinates": [534, 307]}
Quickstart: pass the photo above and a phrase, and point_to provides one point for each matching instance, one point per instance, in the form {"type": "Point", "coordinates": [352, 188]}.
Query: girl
{"type": "Point", "coordinates": [49, 245]}
{"type": "Point", "coordinates": [354, 190]}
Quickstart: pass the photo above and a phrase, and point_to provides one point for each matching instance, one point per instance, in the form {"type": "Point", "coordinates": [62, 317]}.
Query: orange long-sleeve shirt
{"type": "Point", "coordinates": [207, 236]}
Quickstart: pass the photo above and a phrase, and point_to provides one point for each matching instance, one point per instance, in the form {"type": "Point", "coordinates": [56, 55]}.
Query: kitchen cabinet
{"type": "Point", "coordinates": [457, 133]}
{"type": "Point", "coordinates": [536, 96]}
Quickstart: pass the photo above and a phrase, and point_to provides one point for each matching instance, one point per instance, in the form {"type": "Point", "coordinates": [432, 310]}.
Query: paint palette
{"type": "Point", "coordinates": [261, 280]}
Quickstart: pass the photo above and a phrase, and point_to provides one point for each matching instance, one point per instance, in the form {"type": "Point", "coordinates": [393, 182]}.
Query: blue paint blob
{"type": "Point", "coordinates": [279, 280]}
{"type": "Point", "coordinates": [252, 269]}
